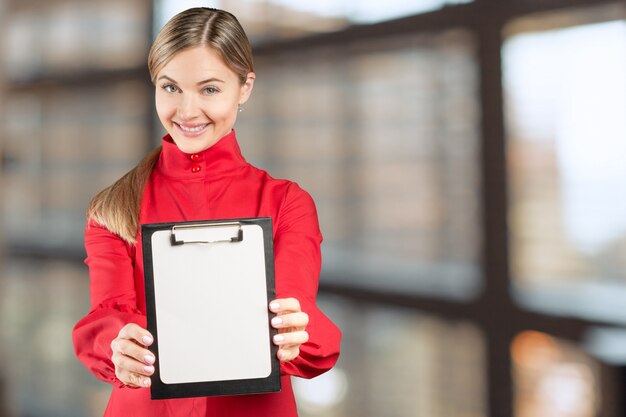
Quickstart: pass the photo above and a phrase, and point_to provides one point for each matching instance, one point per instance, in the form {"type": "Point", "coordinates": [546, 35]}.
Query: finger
{"type": "Point", "coordinates": [135, 332]}
{"type": "Point", "coordinates": [291, 339]}
{"type": "Point", "coordinates": [128, 364]}
{"type": "Point", "coordinates": [285, 305]}
{"type": "Point", "coordinates": [297, 320]}
{"type": "Point", "coordinates": [133, 380]}
{"type": "Point", "coordinates": [131, 349]}
{"type": "Point", "coordinates": [288, 354]}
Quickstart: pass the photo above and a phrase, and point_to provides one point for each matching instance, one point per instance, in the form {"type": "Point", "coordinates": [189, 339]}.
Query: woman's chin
{"type": "Point", "coordinates": [195, 144]}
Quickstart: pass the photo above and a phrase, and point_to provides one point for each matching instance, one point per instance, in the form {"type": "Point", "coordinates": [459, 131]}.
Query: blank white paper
{"type": "Point", "coordinates": [211, 306]}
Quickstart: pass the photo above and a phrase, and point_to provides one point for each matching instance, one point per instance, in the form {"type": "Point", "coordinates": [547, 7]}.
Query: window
{"type": "Point", "coordinates": [396, 361]}
{"type": "Point", "coordinates": [384, 135]}
{"type": "Point", "coordinates": [267, 20]}
{"type": "Point", "coordinates": [473, 217]}
{"type": "Point", "coordinates": [565, 96]}
{"type": "Point", "coordinates": [553, 377]}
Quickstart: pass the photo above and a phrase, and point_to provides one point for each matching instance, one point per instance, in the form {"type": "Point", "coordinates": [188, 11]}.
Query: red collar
{"type": "Point", "coordinates": [222, 158]}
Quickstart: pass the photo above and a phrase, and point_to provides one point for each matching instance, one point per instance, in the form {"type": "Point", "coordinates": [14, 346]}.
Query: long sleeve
{"type": "Point", "coordinates": [113, 301]}
{"type": "Point", "coordinates": [297, 264]}
{"type": "Point", "coordinates": [217, 183]}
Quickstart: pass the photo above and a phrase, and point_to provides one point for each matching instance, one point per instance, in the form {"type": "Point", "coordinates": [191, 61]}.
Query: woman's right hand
{"type": "Point", "coordinates": [133, 362]}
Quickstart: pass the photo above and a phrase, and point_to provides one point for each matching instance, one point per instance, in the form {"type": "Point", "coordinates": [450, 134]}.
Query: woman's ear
{"type": "Point", "coordinates": [246, 88]}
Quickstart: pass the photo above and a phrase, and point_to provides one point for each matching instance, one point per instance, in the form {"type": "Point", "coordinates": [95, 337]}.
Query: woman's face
{"type": "Point", "coordinates": [197, 98]}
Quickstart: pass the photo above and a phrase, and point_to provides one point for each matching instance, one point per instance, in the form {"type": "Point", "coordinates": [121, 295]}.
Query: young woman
{"type": "Point", "coordinates": [201, 66]}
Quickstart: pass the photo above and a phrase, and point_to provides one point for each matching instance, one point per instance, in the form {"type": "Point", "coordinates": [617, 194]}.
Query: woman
{"type": "Point", "coordinates": [201, 66]}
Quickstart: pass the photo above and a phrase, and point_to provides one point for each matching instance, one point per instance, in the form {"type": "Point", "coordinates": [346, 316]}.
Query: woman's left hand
{"type": "Point", "coordinates": [291, 323]}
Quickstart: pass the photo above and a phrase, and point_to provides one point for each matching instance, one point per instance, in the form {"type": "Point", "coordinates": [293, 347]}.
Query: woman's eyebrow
{"type": "Point", "coordinates": [167, 78]}
{"type": "Point", "coordinates": [208, 80]}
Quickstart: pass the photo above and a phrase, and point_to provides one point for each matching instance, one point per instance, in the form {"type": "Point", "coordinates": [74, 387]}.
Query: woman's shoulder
{"type": "Point", "coordinates": [287, 187]}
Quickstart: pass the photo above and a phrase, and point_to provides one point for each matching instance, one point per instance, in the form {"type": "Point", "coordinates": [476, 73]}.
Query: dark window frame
{"type": "Point", "coordinates": [495, 311]}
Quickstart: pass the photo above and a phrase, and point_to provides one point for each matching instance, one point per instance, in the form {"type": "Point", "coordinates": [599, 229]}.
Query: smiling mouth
{"type": "Point", "coordinates": [191, 130]}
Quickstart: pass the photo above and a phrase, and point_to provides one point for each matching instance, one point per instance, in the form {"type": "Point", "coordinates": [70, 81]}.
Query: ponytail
{"type": "Point", "coordinates": [117, 207]}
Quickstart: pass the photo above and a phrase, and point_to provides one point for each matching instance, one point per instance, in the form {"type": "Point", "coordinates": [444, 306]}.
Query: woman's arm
{"type": "Point", "coordinates": [297, 265]}
{"type": "Point", "coordinates": [113, 301]}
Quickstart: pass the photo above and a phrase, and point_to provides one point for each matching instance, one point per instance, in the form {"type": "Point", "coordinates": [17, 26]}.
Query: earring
{"type": "Point", "coordinates": [240, 108]}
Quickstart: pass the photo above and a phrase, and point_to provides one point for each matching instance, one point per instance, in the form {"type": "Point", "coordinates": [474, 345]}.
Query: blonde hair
{"type": "Point", "coordinates": [118, 206]}
{"type": "Point", "coordinates": [202, 26]}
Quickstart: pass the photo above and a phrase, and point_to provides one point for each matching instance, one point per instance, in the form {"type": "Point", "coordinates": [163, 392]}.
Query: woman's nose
{"type": "Point", "coordinates": [188, 107]}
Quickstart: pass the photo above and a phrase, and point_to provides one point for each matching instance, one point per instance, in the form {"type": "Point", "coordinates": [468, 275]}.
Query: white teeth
{"type": "Point", "coordinates": [192, 129]}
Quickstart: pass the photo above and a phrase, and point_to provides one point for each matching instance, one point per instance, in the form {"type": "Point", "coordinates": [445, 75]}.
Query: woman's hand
{"type": "Point", "coordinates": [291, 323]}
{"type": "Point", "coordinates": [133, 362]}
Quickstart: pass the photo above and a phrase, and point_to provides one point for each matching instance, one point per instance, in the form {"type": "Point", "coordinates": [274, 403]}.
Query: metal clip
{"type": "Point", "coordinates": [177, 242]}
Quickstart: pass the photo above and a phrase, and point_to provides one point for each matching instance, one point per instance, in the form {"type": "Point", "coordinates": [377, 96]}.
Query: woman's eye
{"type": "Point", "coordinates": [170, 88]}
{"type": "Point", "coordinates": [211, 90]}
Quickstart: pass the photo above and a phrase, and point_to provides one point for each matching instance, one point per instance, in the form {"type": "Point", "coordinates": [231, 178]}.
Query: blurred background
{"type": "Point", "coordinates": [467, 160]}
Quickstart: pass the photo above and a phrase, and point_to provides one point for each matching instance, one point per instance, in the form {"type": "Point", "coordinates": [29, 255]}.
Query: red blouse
{"type": "Point", "coordinates": [217, 183]}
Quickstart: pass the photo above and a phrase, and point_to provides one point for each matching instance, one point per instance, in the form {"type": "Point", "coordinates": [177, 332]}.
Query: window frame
{"type": "Point", "coordinates": [487, 20]}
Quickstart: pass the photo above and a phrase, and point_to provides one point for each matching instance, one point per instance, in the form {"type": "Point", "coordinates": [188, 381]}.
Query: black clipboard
{"type": "Point", "coordinates": [208, 285]}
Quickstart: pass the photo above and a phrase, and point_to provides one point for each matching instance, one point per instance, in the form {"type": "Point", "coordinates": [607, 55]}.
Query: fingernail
{"type": "Point", "coordinates": [149, 359]}
{"type": "Point", "coordinates": [276, 321]}
{"type": "Point", "coordinates": [278, 338]}
{"type": "Point", "coordinates": [146, 382]}
{"type": "Point", "coordinates": [147, 340]}
{"type": "Point", "coordinates": [148, 369]}
{"type": "Point", "coordinates": [274, 306]}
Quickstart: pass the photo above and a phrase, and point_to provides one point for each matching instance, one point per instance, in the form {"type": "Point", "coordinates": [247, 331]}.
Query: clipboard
{"type": "Point", "coordinates": [208, 286]}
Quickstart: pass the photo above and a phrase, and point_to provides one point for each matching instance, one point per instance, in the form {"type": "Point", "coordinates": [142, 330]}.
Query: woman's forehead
{"type": "Point", "coordinates": [196, 64]}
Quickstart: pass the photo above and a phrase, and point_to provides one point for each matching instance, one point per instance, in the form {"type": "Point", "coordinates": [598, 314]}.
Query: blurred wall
{"type": "Point", "coordinates": [77, 113]}
{"type": "Point", "coordinates": [428, 144]}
